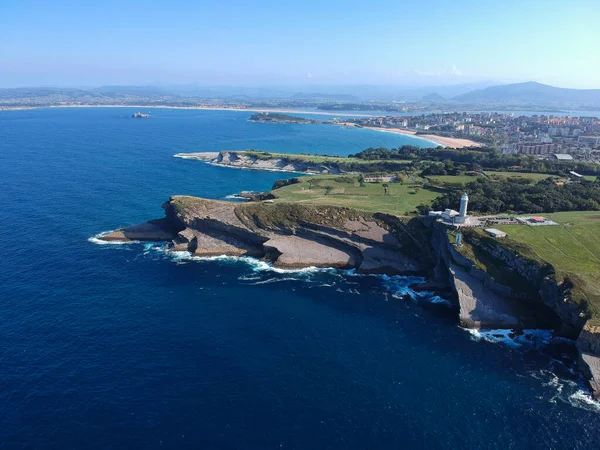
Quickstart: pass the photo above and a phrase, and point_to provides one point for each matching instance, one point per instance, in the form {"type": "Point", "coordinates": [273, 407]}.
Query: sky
{"type": "Point", "coordinates": [303, 42]}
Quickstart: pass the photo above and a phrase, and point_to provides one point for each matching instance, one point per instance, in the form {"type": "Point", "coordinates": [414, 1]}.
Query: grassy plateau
{"type": "Point", "coordinates": [572, 247]}
{"type": "Point", "coordinates": [345, 190]}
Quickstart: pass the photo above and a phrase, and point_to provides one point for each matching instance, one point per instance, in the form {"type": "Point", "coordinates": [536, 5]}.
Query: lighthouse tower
{"type": "Point", "coordinates": [464, 202]}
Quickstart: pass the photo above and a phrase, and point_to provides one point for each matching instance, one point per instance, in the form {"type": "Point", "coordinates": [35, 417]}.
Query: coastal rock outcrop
{"type": "Point", "coordinates": [287, 235]}
{"type": "Point", "coordinates": [249, 160]}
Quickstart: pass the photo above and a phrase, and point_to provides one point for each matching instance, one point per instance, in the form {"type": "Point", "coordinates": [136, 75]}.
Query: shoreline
{"type": "Point", "coordinates": [208, 108]}
{"type": "Point", "coordinates": [438, 140]}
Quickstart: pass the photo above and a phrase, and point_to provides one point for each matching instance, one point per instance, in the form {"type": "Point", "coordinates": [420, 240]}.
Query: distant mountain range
{"type": "Point", "coordinates": [530, 95]}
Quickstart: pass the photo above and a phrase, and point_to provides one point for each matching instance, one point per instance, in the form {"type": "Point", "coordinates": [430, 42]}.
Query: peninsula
{"type": "Point", "coordinates": [390, 211]}
{"type": "Point", "coordinates": [276, 117]}
{"type": "Point", "coordinates": [285, 162]}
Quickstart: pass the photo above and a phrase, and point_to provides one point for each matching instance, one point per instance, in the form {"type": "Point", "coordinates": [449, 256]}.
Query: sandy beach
{"type": "Point", "coordinates": [438, 140]}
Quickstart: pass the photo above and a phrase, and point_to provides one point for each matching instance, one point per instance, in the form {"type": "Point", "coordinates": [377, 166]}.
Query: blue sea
{"type": "Point", "coordinates": [126, 346]}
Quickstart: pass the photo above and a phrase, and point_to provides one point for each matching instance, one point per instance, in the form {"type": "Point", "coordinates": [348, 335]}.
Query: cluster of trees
{"type": "Point", "coordinates": [478, 158]}
{"type": "Point", "coordinates": [404, 152]}
{"type": "Point", "coordinates": [524, 196]}
{"type": "Point", "coordinates": [444, 168]}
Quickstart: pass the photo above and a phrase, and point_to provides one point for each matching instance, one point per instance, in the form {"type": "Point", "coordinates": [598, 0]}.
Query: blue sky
{"type": "Point", "coordinates": [423, 42]}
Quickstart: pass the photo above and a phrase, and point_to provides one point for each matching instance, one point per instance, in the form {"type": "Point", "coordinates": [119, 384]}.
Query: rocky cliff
{"type": "Point", "coordinates": [287, 235]}
{"type": "Point", "coordinates": [517, 291]}
{"type": "Point", "coordinates": [249, 160]}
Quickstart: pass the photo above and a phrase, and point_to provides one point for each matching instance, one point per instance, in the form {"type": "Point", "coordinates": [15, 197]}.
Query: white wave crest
{"type": "Point", "coordinates": [400, 287]}
{"type": "Point", "coordinates": [584, 400]}
{"type": "Point", "coordinates": [272, 280]}
{"type": "Point", "coordinates": [512, 338]}
{"type": "Point", "coordinates": [186, 156]}
{"type": "Point", "coordinates": [96, 240]}
{"type": "Point", "coordinates": [256, 265]}
{"type": "Point", "coordinates": [567, 391]}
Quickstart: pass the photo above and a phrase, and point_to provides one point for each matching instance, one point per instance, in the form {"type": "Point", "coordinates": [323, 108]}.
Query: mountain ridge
{"type": "Point", "coordinates": [532, 93]}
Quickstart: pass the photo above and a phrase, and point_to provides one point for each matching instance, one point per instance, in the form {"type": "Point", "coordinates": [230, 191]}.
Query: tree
{"type": "Point", "coordinates": [386, 189]}
{"type": "Point", "coordinates": [361, 180]}
{"type": "Point", "coordinates": [423, 209]}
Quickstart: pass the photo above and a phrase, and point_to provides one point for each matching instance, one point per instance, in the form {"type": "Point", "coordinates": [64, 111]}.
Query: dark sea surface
{"type": "Point", "coordinates": [125, 346]}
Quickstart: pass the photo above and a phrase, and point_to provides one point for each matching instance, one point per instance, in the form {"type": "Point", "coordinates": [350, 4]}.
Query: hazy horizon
{"type": "Point", "coordinates": [266, 43]}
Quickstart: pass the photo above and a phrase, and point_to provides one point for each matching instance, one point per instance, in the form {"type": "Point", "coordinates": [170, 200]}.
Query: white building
{"type": "Point", "coordinates": [449, 215]}
{"type": "Point", "coordinates": [452, 217]}
{"type": "Point", "coordinates": [495, 233]}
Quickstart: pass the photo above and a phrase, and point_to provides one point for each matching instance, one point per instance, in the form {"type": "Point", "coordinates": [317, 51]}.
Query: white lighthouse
{"type": "Point", "coordinates": [462, 218]}
{"type": "Point", "coordinates": [464, 203]}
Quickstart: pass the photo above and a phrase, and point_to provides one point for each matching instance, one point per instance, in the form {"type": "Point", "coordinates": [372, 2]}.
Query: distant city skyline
{"type": "Point", "coordinates": [267, 43]}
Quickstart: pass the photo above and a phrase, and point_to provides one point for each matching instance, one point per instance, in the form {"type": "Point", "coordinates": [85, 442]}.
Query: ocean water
{"type": "Point", "coordinates": [126, 346]}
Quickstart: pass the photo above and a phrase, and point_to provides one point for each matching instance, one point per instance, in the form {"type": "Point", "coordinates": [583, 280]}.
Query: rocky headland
{"type": "Point", "coordinates": [276, 117]}
{"type": "Point", "coordinates": [295, 235]}
{"type": "Point", "coordinates": [257, 160]}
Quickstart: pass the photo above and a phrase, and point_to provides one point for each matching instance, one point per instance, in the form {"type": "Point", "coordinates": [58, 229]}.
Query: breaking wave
{"type": "Point", "coordinates": [96, 240]}
{"type": "Point", "coordinates": [396, 285]}
{"type": "Point", "coordinates": [400, 287]}
{"type": "Point", "coordinates": [511, 338]}
{"type": "Point", "coordinates": [571, 392]}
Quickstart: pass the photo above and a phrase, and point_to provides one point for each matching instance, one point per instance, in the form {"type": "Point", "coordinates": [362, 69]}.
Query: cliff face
{"type": "Point", "coordinates": [482, 301]}
{"type": "Point", "coordinates": [532, 295]}
{"type": "Point", "coordinates": [588, 345]}
{"type": "Point", "coordinates": [289, 235]}
{"type": "Point", "coordinates": [522, 279]}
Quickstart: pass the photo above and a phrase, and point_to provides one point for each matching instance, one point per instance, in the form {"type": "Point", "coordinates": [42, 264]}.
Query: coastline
{"type": "Point", "coordinates": [208, 108]}
{"type": "Point", "coordinates": [438, 140]}
{"type": "Point", "coordinates": [434, 139]}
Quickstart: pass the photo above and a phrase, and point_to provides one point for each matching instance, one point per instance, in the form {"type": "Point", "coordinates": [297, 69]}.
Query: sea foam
{"type": "Point", "coordinates": [511, 338]}
{"type": "Point", "coordinates": [96, 239]}
{"type": "Point", "coordinates": [398, 286]}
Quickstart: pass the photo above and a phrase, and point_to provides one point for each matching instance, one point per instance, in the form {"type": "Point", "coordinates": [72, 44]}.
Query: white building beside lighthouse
{"type": "Point", "coordinates": [452, 217]}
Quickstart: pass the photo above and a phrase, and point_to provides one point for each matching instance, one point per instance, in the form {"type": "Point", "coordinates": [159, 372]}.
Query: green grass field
{"type": "Point", "coordinates": [572, 247]}
{"type": "Point", "coordinates": [531, 176]}
{"type": "Point", "coordinates": [452, 179]}
{"type": "Point", "coordinates": [403, 198]}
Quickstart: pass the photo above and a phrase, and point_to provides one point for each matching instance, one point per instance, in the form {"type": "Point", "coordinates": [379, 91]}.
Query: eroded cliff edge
{"type": "Point", "coordinates": [289, 235]}
{"type": "Point", "coordinates": [510, 291]}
